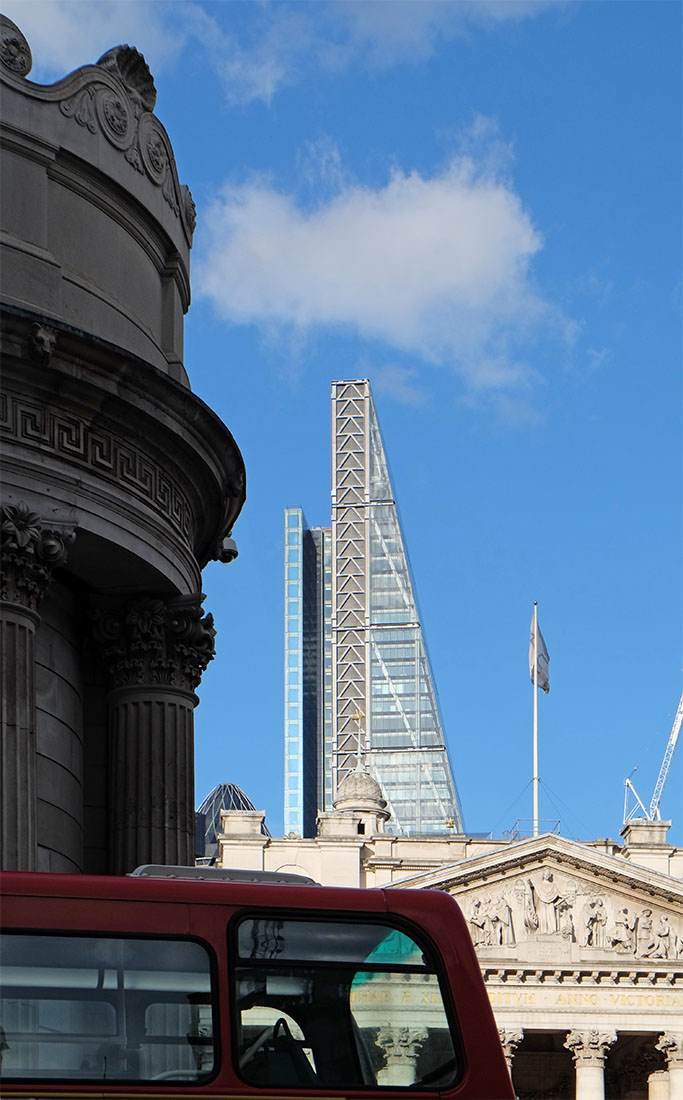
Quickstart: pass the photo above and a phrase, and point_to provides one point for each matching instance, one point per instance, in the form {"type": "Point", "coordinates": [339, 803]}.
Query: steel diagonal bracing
{"type": "Point", "coordinates": [349, 581]}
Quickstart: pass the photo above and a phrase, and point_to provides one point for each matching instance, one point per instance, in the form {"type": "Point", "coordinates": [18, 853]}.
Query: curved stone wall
{"type": "Point", "coordinates": [119, 485]}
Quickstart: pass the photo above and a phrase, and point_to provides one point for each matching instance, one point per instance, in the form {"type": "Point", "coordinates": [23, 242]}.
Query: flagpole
{"type": "Point", "coordinates": [535, 777]}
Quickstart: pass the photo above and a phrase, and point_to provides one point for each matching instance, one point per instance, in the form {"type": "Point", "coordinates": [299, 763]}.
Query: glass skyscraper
{"type": "Point", "coordinates": [355, 658]}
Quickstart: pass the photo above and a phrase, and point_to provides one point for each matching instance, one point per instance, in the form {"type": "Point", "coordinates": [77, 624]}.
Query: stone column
{"type": "Point", "coordinates": [671, 1043]}
{"type": "Point", "coordinates": [401, 1049]}
{"type": "Point", "coordinates": [658, 1085]}
{"type": "Point", "coordinates": [589, 1050]}
{"type": "Point", "coordinates": [29, 553]}
{"type": "Point", "coordinates": [510, 1040]}
{"type": "Point", "coordinates": [154, 652]}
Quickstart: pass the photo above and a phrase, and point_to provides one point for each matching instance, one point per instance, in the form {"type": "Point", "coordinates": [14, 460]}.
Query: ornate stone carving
{"type": "Point", "coordinates": [154, 642]}
{"type": "Point", "coordinates": [115, 97]}
{"type": "Point", "coordinates": [550, 909]}
{"type": "Point", "coordinates": [40, 343]}
{"type": "Point", "coordinates": [491, 922]}
{"type": "Point", "coordinates": [15, 53]}
{"type": "Point", "coordinates": [107, 455]}
{"type": "Point", "coordinates": [671, 1045]}
{"type": "Point", "coordinates": [594, 921]}
{"type": "Point", "coordinates": [401, 1047]}
{"type": "Point", "coordinates": [30, 553]}
{"type": "Point", "coordinates": [509, 1040]}
{"type": "Point", "coordinates": [621, 936]}
{"type": "Point", "coordinates": [590, 1047]}
{"type": "Point", "coordinates": [130, 66]}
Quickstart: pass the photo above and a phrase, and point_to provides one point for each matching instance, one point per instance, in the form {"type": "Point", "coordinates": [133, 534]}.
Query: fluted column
{"type": "Point", "coordinates": [510, 1040]}
{"type": "Point", "coordinates": [29, 553]}
{"type": "Point", "coordinates": [154, 652]}
{"type": "Point", "coordinates": [589, 1050]}
{"type": "Point", "coordinates": [671, 1043]}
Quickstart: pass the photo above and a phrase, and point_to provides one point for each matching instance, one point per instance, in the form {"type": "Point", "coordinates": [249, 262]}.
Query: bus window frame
{"type": "Point", "coordinates": [434, 963]}
{"type": "Point", "coordinates": [214, 993]}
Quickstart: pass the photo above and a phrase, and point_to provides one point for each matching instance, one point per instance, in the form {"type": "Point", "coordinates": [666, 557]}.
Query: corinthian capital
{"type": "Point", "coordinates": [671, 1044]}
{"type": "Point", "coordinates": [30, 552]}
{"type": "Point", "coordinates": [154, 642]}
{"type": "Point", "coordinates": [590, 1047]}
{"type": "Point", "coordinates": [509, 1041]}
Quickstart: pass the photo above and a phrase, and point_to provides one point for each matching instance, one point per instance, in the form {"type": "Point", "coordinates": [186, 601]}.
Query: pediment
{"type": "Point", "coordinates": [548, 899]}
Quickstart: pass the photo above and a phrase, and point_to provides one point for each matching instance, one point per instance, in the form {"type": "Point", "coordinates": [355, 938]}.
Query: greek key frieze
{"type": "Point", "coordinates": [102, 452]}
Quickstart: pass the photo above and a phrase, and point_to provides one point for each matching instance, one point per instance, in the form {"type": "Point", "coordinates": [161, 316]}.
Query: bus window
{"type": "Point", "coordinates": [330, 1004]}
{"type": "Point", "coordinates": [79, 1008]}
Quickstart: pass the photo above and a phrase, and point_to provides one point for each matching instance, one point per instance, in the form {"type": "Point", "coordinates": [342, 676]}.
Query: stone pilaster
{"type": "Point", "coordinates": [509, 1041]}
{"type": "Point", "coordinates": [154, 652]}
{"type": "Point", "coordinates": [671, 1043]}
{"type": "Point", "coordinates": [401, 1049]}
{"type": "Point", "coordinates": [589, 1050]}
{"type": "Point", "coordinates": [29, 553]}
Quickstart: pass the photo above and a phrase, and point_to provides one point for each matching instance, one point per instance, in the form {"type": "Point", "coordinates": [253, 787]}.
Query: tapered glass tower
{"type": "Point", "coordinates": [356, 657]}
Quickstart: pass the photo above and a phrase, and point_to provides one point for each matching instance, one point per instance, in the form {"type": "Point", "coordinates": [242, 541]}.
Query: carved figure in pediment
{"type": "Point", "coordinates": [621, 938]}
{"type": "Point", "coordinates": [549, 898]}
{"type": "Point", "coordinates": [664, 947]}
{"type": "Point", "coordinates": [500, 922]}
{"type": "Point", "coordinates": [479, 927]}
{"type": "Point", "coordinates": [645, 934]}
{"type": "Point", "coordinates": [566, 921]}
{"type": "Point", "coordinates": [594, 919]}
{"type": "Point", "coordinates": [529, 906]}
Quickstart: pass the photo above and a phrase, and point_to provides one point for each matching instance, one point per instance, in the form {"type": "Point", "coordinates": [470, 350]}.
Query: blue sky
{"type": "Point", "coordinates": [477, 206]}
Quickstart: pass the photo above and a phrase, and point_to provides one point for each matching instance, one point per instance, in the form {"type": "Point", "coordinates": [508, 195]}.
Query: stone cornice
{"type": "Point", "coordinates": [568, 855]}
{"type": "Point", "coordinates": [667, 974]}
{"type": "Point", "coordinates": [98, 408]}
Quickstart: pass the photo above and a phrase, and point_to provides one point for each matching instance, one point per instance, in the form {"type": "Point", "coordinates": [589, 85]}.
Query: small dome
{"type": "Point", "coordinates": [359, 786]}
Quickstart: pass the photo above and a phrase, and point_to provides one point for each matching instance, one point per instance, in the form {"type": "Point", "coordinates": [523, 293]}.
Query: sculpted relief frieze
{"type": "Point", "coordinates": [557, 909]}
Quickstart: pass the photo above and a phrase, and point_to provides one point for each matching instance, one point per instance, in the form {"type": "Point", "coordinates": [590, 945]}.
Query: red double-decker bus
{"type": "Point", "coordinates": [162, 984]}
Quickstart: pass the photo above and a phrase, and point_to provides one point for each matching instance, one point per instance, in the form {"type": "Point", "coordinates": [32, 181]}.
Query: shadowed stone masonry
{"type": "Point", "coordinates": [118, 484]}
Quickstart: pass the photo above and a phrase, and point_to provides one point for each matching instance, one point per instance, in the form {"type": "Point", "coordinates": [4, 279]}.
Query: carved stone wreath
{"type": "Point", "coordinates": [15, 54]}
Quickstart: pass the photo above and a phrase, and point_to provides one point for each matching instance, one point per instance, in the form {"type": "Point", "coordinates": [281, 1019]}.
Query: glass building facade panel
{"type": "Point", "coordinates": [363, 657]}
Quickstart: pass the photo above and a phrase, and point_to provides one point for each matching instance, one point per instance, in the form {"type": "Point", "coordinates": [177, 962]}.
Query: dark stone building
{"type": "Point", "coordinates": [118, 484]}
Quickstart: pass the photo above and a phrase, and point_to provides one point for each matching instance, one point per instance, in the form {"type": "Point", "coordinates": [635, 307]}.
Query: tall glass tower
{"type": "Point", "coordinates": [355, 655]}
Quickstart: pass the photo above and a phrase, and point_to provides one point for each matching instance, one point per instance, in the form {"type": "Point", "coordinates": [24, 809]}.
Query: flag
{"type": "Point", "coordinates": [542, 659]}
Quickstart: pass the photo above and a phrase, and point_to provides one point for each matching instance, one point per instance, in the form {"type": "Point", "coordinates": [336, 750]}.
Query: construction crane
{"type": "Point", "coordinates": [653, 813]}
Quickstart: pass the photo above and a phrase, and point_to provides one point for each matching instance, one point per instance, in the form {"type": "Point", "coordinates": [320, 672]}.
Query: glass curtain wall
{"type": "Point", "coordinates": [308, 674]}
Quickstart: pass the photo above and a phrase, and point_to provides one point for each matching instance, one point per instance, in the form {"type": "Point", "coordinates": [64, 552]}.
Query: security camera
{"type": "Point", "coordinates": [228, 551]}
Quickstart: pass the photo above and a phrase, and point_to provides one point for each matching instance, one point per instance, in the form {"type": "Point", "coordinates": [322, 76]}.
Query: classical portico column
{"type": "Point", "coordinates": [29, 553]}
{"type": "Point", "coordinates": [401, 1047]}
{"type": "Point", "coordinates": [154, 652]}
{"type": "Point", "coordinates": [671, 1043]}
{"type": "Point", "coordinates": [658, 1085]}
{"type": "Point", "coordinates": [589, 1050]}
{"type": "Point", "coordinates": [510, 1040]}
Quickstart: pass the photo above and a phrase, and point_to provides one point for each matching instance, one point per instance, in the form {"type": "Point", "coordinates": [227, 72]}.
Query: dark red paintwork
{"type": "Point", "coordinates": [202, 909]}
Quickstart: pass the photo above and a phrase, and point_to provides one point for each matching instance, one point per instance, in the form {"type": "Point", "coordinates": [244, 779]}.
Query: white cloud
{"type": "Point", "coordinates": [400, 383]}
{"type": "Point", "coordinates": [388, 33]}
{"type": "Point", "coordinates": [255, 48]}
{"type": "Point", "coordinates": [65, 34]}
{"type": "Point", "coordinates": [438, 267]}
